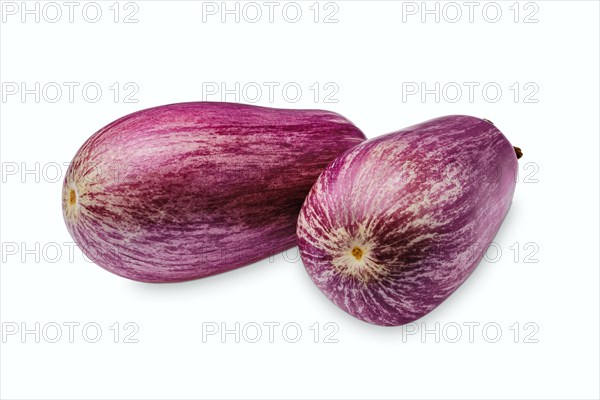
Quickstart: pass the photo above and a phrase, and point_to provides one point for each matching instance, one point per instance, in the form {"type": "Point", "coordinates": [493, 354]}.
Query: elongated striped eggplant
{"type": "Point", "coordinates": [396, 224]}
{"type": "Point", "coordinates": [188, 190]}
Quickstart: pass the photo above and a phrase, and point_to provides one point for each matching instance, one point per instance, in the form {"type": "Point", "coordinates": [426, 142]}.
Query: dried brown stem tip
{"type": "Point", "coordinates": [518, 151]}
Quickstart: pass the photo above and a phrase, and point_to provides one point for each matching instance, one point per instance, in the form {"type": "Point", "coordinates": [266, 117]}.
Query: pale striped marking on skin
{"type": "Point", "coordinates": [420, 232]}
{"type": "Point", "coordinates": [203, 187]}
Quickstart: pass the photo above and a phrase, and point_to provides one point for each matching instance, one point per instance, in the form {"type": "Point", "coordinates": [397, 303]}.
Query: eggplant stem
{"type": "Point", "coordinates": [518, 151]}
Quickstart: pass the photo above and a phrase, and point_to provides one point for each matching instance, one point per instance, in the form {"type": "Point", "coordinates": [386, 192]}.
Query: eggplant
{"type": "Point", "coordinates": [188, 190]}
{"type": "Point", "coordinates": [396, 224]}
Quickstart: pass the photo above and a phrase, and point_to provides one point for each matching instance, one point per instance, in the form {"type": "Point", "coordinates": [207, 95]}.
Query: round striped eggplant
{"type": "Point", "coordinates": [188, 190]}
{"type": "Point", "coordinates": [396, 224]}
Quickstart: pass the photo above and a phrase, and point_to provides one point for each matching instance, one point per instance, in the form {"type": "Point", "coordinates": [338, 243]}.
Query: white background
{"type": "Point", "coordinates": [370, 57]}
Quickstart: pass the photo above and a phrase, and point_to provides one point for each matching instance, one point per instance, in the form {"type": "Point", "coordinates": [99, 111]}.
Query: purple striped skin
{"type": "Point", "coordinates": [396, 224]}
{"type": "Point", "coordinates": [188, 190]}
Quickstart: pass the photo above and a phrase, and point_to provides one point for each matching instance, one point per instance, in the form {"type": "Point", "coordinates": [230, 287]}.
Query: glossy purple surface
{"type": "Point", "coordinates": [188, 190]}
{"type": "Point", "coordinates": [396, 224]}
